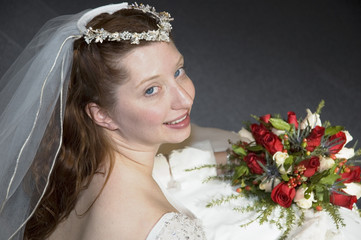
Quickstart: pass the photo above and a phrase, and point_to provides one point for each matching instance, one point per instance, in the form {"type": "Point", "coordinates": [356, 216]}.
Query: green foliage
{"type": "Point", "coordinates": [330, 179]}
{"type": "Point", "coordinates": [280, 124]}
{"type": "Point", "coordinates": [329, 131]}
{"type": "Point", "coordinates": [355, 145]}
{"type": "Point", "coordinates": [285, 221]}
{"type": "Point", "coordinates": [288, 162]}
{"type": "Point", "coordinates": [285, 177]}
{"type": "Point", "coordinates": [320, 106]}
{"type": "Point", "coordinates": [358, 152]}
{"type": "Point", "coordinates": [255, 117]}
{"type": "Point", "coordinates": [355, 159]}
{"type": "Point", "coordinates": [318, 176]}
{"type": "Point", "coordinates": [276, 115]}
{"type": "Point", "coordinates": [220, 178]}
{"type": "Point", "coordinates": [294, 142]}
{"type": "Point", "coordinates": [223, 200]}
{"type": "Point", "coordinates": [301, 220]}
{"type": "Point", "coordinates": [240, 171]}
{"type": "Point", "coordinates": [290, 222]}
{"type": "Point", "coordinates": [239, 150]}
{"type": "Point", "coordinates": [264, 216]}
{"type": "Point", "coordinates": [201, 167]}
{"type": "Point", "coordinates": [265, 207]}
{"type": "Point", "coordinates": [321, 193]}
{"type": "Point", "coordinates": [256, 148]}
{"type": "Point", "coordinates": [326, 124]}
{"type": "Point", "coordinates": [334, 212]}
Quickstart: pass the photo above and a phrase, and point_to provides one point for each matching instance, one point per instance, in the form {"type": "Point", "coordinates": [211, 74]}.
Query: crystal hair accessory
{"type": "Point", "coordinates": [161, 34]}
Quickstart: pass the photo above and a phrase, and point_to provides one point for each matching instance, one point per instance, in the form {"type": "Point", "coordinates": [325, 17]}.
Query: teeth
{"type": "Point", "coordinates": [178, 121]}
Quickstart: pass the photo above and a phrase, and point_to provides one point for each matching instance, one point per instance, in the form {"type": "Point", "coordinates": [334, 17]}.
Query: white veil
{"type": "Point", "coordinates": [31, 114]}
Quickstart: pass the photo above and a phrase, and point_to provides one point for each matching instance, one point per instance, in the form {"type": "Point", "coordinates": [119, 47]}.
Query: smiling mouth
{"type": "Point", "coordinates": [177, 121]}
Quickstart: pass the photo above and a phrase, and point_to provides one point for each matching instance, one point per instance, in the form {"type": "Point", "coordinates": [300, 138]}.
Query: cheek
{"type": "Point", "coordinates": [153, 115]}
{"type": "Point", "coordinates": [189, 87]}
{"type": "Point", "coordinates": [142, 116]}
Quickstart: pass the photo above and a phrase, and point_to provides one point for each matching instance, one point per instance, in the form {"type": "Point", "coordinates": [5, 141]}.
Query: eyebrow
{"type": "Point", "coordinates": [181, 59]}
{"type": "Point", "coordinates": [147, 79]}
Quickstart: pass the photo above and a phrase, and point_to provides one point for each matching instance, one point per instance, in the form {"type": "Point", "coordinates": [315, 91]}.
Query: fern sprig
{"type": "Point", "coordinates": [320, 106]}
{"type": "Point", "coordinates": [334, 213]}
{"type": "Point", "coordinates": [201, 167]}
{"type": "Point", "coordinates": [223, 200]}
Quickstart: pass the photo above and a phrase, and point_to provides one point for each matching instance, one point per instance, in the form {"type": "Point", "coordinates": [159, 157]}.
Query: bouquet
{"type": "Point", "coordinates": [293, 164]}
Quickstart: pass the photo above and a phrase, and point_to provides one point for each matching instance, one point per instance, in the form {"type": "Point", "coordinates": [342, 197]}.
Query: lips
{"type": "Point", "coordinates": [177, 120]}
{"type": "Point", "coordinates": [179, 123]}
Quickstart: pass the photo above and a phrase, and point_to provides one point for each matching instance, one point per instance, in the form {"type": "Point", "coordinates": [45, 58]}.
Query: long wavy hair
{"type": "Point", "coordinates": [86, 148]}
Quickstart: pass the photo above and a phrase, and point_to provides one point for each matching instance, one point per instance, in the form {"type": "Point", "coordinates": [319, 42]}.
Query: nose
{"type": "Point", "coordinates": [182, 95]}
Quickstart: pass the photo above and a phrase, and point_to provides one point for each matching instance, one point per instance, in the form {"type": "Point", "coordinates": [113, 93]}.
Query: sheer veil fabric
{"type": "Point", "coordinates": [31, 113]}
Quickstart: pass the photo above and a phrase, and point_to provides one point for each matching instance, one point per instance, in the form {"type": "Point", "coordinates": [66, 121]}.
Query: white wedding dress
{"type": "Point", "coordinates": [177, 226]}
{"type": "Point", "coordinates": [187, 191]}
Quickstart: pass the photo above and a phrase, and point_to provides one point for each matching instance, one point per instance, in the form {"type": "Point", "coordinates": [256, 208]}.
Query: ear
{"type": "Point", "coordinates": [100, 117]}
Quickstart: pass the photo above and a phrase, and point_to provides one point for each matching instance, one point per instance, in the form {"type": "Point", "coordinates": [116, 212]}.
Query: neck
{"type": "Point", "coordinates": [134, 156]}
{"type": "Point", "coordinates": [132, 160]}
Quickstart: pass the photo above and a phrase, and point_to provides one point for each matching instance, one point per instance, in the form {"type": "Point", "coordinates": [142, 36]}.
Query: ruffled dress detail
{"type": "Point", "coordinates": [177, 226]}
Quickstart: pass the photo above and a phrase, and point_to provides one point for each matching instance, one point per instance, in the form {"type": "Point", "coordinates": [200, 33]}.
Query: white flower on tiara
{"type": "Point", "coordinates": [161, 34]}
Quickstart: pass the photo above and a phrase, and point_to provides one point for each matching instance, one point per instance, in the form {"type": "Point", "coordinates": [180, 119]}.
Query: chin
{"type": "Point", "coordinates": [179, 136]}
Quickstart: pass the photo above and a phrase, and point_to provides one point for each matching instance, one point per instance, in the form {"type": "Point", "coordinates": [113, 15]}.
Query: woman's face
{"type": "Point", "coordinates": [154, 103]}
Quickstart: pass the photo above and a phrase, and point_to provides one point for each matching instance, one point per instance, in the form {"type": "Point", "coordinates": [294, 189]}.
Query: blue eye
{"type": "Point", "coordinates": [178, 72]}
{"type": "Point", "coordinates": [151, 91]}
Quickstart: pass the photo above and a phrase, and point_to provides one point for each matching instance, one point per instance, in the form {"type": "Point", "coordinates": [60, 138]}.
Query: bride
{"type": "Point", "coordinates": [85, 110]}
{"type": "Point", "coordinates": [84, 113]}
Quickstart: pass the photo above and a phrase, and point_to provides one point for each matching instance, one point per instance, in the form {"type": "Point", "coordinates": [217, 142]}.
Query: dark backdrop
{"type": "Point", "coordinates": [245, 57]}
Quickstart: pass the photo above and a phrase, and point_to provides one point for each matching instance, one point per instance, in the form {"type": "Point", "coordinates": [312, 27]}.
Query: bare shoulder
{"type": "Point", "coordinates": [124, 218]}
{"type": "Point", "coordinates": [123, 210]}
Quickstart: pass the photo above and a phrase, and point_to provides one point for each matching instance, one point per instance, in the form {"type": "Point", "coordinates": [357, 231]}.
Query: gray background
{"type": "Point", "coordinates": [245, 57]}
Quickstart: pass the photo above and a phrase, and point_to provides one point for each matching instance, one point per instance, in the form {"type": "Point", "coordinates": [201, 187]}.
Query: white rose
{"type": "Point", "coordinates": [326, 163]}
{"type": "Point", "coordinates": [353, 189]}
{"type": "Point", "coordinates": [266, 185]}
{"type": "Point", "coordinates": [312, 120]}
{"type": "Point", "coordinates": [279, 158]}
{"type": "Point", "coordinates": [300, 199]}
{"type": "Point", "coordinates": [246, 136]}
{"type": "Point", "coordinates": [346, 153]}
{"type": "Point", "coordinates": [348, 136]}
{"type": "Point", "coordinates": [278, 132]}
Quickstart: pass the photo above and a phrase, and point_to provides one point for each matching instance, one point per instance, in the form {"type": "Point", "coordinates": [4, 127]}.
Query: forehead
{"type": "Point", "coordinates": [152, 59]}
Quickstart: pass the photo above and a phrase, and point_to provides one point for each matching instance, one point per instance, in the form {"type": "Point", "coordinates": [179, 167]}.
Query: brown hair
{"type": "Point", "coordinates": [85, 147]}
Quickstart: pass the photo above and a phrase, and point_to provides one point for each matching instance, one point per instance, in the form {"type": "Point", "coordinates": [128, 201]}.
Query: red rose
{"type": "Point", "coordinates": [342, 200]}
{"type": "Point", "coordinates": [314, 139]}
{"type": "Point", "coordinates": [283, 194]}
{"type": "Point", "coordinates": [258, 131]}
{"type": "Point", "coordinates": [292, 119]}
{"type": "Point", "coordinates": [339, 139]}
{"type": "Point", "coordinates": [265, 118]}
{"type": "Point", "coordinates": [311, 166]}
{"type": "Point", "coordinates": [252, 162]}
{"type": "Point", "coordinates": [272, 143]}
{"type": "Point", "coordinates": [352, 176]}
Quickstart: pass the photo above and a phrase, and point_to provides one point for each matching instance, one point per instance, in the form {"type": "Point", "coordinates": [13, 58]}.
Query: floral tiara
{"type": "Point", "coordinates": [161, 34]}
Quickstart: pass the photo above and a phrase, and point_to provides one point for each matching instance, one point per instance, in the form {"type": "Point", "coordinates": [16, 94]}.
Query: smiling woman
{"type": "Point", "coordinates": [90, 100]}
{"type": "Point", "coordinates": [100, 93]}
{"type": "Point", "coordinates": [154, 104]}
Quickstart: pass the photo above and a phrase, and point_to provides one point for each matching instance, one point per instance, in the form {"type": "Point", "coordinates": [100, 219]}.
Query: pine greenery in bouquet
{"type": "Point", "coordinates": [293, 165]}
